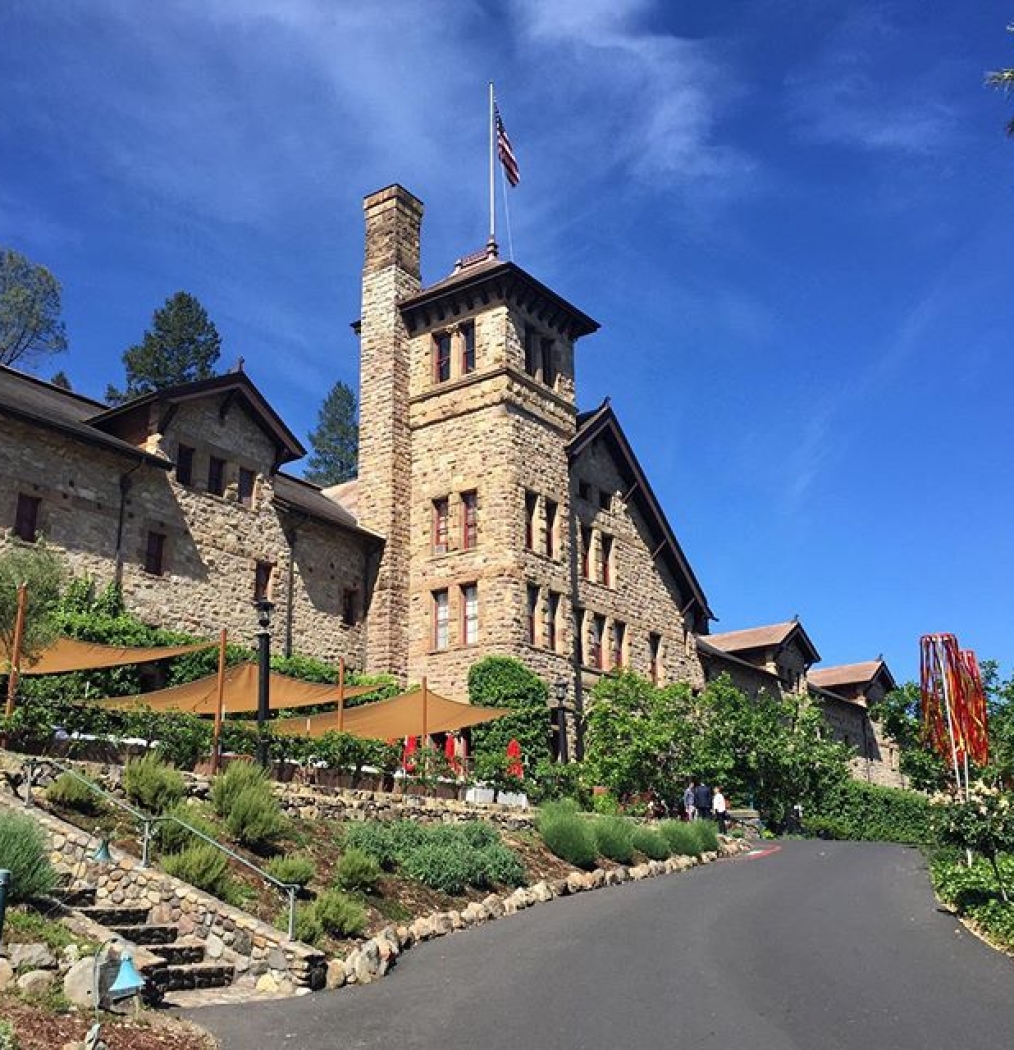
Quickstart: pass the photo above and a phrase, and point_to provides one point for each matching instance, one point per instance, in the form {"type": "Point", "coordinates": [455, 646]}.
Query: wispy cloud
{"type": "Point", "coordinates": [855, 94]}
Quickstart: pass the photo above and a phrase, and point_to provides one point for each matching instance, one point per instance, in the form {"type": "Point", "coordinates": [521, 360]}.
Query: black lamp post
{"type": "Point", "coordinates": [560, 689]}
{"type": "Point", "coordinates": [264, 609]}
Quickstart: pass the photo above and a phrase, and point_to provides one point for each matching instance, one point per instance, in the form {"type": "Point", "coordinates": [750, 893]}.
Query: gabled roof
{"type": "Point", "coordinates": [705, 649]}
{"type": "Point", "coordinates": [303, 497]}
{"type": "Point", "coordinates": [602, 424]}
{"type": "Point", "coordinates": [769, 636]}
{"type": "Point", "coordinates": [55, 408]}
{"type": "Point", "coordinates": [860, 674]}
{"type": "Point", "coordinates": [237, 385]}
{"type": "Point", "coordinates": [491, 280]}
{"type": "Point", "coordinates": [347, 494]}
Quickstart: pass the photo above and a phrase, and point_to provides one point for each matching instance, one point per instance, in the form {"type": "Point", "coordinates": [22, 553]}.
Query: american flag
{"type": "Point", "coordinates": [506, 153]}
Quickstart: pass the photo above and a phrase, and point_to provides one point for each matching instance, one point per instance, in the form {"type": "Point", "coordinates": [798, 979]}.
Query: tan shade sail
{"type": "Point", "coordinates": [240, 695]}
{"type": "Point", "coordinates": [72, 654]}
{"type": "Point", "coordinates": [415, 713]}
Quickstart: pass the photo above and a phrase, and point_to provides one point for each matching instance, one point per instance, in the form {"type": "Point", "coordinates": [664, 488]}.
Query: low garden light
{"type": "Point", "coordinates": [102, 854]}
{"type": "Point", "coordinates": [560, 688]}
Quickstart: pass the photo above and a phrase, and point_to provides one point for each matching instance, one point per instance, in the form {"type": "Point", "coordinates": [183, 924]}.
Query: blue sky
{"type": "Point", "coordinates": [790, 216]}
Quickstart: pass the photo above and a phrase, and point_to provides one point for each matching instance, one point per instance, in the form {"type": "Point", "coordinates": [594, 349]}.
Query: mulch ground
{"type": "Point", "coordinates": [40, 1028]}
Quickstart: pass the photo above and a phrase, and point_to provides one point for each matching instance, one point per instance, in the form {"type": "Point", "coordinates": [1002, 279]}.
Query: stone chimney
{"type": "Point", "coordinates": [390, 274]}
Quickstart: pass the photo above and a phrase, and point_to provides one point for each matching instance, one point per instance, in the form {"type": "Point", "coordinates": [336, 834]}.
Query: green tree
{"type": "Point", "coordinates": [42, 573]}
{"type": "Point", "coordinates": [899, 714]}
{"type": "Point", "coordinates": [1003, 80]}
{"type": "Point", "coordinates": [62, 380]}
{"type": "Point", "coordinates": [502, 681]}
{"type": "Point", "coordinates": [182, 345]}
{"type": "Point", "coordinates": [335, 442]}
{"type": "Point", "coordinates": [30, 324]}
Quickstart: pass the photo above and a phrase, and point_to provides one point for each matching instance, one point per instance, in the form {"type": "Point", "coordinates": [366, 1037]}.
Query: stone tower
{"type": "Point", "coordinates": [390, 274]}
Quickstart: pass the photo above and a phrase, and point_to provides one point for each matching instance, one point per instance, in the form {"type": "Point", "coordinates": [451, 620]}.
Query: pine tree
{"type": "Point", "coordinates": [182, 345]}
{"type": "Point", "coordinates": [30, 324]}
{"type": "Point", "coordinates": [61, 379]}
{"type": "Point", "coordinates": [335, 442]}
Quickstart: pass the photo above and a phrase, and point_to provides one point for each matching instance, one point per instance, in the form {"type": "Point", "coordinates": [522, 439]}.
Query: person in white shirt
{"type": "Point", "coordinates": [720, 809]}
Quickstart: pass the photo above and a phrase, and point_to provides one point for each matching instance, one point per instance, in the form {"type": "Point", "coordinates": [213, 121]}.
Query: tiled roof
{"type": "Point", "coordinates": [848, 674]}
{"type": "Point", "coordinates": [46, 405]}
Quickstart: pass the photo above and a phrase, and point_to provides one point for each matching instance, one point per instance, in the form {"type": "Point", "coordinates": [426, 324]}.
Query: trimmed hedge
{"type": "Point", "coordinates": [681, 837]}
{"type": "Point", "coordinates": [868, 812]}
{"type": "Point", "coordinates": [567, 834]}
{"type": "Point", "coordinates": [614, 838]}
{"type": "Point", "coordinates": [651, 843]}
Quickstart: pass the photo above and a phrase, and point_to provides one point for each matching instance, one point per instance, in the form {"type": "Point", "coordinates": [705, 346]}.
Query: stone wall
{"type": "Point", "coordinates": [251, 945]}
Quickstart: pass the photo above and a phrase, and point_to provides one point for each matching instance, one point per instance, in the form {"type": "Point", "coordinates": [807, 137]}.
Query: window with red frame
{"type": "Point", "coordinates": [26, 518]}
{"type": "Point", "coordinates": [470, 613]}
{"type": "Point", "coordinates": [552, 509]}
{"type": "Point", "coordinates": [533, 612]}
{"type": "Point", "coordinates": [469, 519]}
{"type": "Point", "coordinates": [441, 510]}
{"type": "Point", "coordinates": [606, 559]}
{"type": "Point", "coordinates": [598, 630]}
{"type": "Point", "coordinates": [655, 655]}
{"type": "Point", "coordinates": [154, 553]}
{"type": "Point", "coordinates": [552, 618]}
{"type": "Point", "coordinates": [619, 638]}
{"type": "Point", "coordinates": [467, 348]}
{"type": "Point", "coordinates": [586, 550]}
{"type": "Point", "coordinates": [185, 465]}
{"type": "Point", "coordinates": [441, 357]}
{"type": "Point", "coordinates": [441, 620]}
{"type": "Point", "coordinates": [216, 476]}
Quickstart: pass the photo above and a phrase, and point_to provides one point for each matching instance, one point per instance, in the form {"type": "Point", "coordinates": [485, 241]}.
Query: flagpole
{"type": "Point", "coordinates": [492, 180]}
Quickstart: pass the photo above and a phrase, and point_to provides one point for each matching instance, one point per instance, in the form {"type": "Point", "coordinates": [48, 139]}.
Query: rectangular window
{"type": "Point", "coordinates": [467, 348]}
{"type": "Point", "coordinates": [606, 559]}
{"type": "Point", "coordinates": [552, 619]}
{"type": "Point", "coordinates": [216, 476]}
{"type": "Point", "coordinates": [350, 601]}
{"type": "Point", "coordinates": [469, 519]}
{"type": "Point", "coordinates": [582, 646]}
{"type": "Point", "coordinates": [441, 619]}
{"type": "Point", "coordinates": [586, 549]}
{"type": "Point", "coordinates": [263, 572]}
{"type": "Point", "coordinates": [26, 518]}
{"type": "Point", "coordinates": [551, 522]}
{"type": "Point", "coordinates": [470, 613]}
{"type": "Point", "coordinates": [441, 357]}
{"type": "Point", "coordinates": [531, 351]}
{"type": "Point", "coordinates": [531, 506]}
{"type": "Point", "coordinates": [154, 553]}
{"type": "Point", "coordinates": [619, 638]}
{"type": "Point", "coordinates": [440, 524]}
{"type": "Point", "coordinates": [655, 656]}
{"type": "Point", "coordinates": [605, 500]}
{"type": "Point", "coordinates": [185, 465]}
{"type": "Point", "coordinates": [584, 490]}
{"type": "Point", "coordinates": [531, 625]}
{"type": "Point", "coordinates": [548, 365]}
{"type": "Point", "coordinates": [245, 488]}
{"type": "Point", "coordinates": [598, 630]}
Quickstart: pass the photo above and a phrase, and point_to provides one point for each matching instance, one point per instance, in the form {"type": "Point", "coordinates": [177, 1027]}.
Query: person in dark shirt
{"type": "Point", "coordinates": [702, 800]}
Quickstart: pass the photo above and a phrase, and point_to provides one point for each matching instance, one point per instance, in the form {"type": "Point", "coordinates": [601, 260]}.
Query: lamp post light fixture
{"type": "Point", "coordinates": [560, 687]}
{"type": "Point", "coordinates": [265, 607]}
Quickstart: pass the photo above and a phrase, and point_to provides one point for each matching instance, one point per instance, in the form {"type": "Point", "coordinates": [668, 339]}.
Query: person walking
{"type": "Point", "coordinates": [689, 809]}
{"type": "Point", "coordinates": [702, 800]}
{"type": "Point", "coordinates": [720, 808]}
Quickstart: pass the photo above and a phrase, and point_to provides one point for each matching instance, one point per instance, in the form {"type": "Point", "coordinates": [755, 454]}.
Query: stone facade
{"type": "Point", "coordinates": [100, 506]}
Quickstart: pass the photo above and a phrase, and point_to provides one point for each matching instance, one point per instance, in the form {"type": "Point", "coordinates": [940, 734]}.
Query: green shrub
{"type": "Point", "coordinates": [24, 852]}
{"type": "Point", "coordinates": [255, 818]}
{"type": "Point", "coordinates": [614, 838]}
{"type": "Point", "coordinates": [308, 928]}
{"type": "Point", "coordinates": [202, 866]}
{"type": "Point", "coordinates": [869, 812]}
{"type": "Point", "coordinates": [605, 804]}
{"type": "Point", "coordinates": [566, 834]}
{"type": "Point", "coordinates": [297, 871]}
{"type": "Point", "coordinates": [68, 792]}
{"type": "Point", "coordinates": [8, 1040]}
{"type": "Point", "coordinates": [974, 894]}
{"type": "Point", "coordinates": [152, 784]}
{"type": "Point", "coordinates": [442, 866]}
{"type": "Point", "coordinates": [339, 915]}
{"type": "Point", "coordinates": [499, 864]}
{"type": "Point", "coordinates": [681, 838]}
{"type": "Point", "coordinates": [707, 835]}
{"type": "Point", "coordinates": [172, 837]}
{"type": "Point", "coordinates": [651, 843]}
{"type": "Point", "coordinates": [357, 870]}
{"type": "Point", "coordinates": [374, 838]}
{"type": "Point", "coordinates": [237, 778]}
{"type": "Point", "coordinates": [475, 833]}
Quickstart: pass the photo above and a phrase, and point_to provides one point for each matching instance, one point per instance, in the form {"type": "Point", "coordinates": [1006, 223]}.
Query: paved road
{"type": "Point", "coordinates": [820, 946]}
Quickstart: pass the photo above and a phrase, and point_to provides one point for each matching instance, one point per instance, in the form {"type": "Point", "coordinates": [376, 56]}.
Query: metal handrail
{"type": "Point", "coordinates": [148, 822]}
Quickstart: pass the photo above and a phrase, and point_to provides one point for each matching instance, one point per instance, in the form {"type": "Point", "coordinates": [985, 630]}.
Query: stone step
{"type": "Point", "coordinates": [149, 933]}
{"type": "Point", "coordinates": [180, 954]}
{"type": "Point", "coordinates": [193, 975]}
{"type": "Point", "coordinates": [117, 914]}
{"type": "Point", "coordinates": [78, 897]}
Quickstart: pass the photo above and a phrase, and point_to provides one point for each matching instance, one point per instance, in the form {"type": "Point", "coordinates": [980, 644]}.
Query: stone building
{"type": "Point", "coordinates": [490, 515]}
{"type": "Point", "coordinates": [180, 497]}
